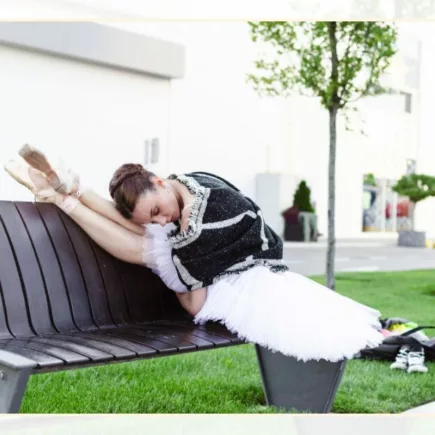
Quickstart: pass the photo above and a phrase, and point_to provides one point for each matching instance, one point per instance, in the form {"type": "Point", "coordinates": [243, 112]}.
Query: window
{"type": "Point", "coordinates": [408, 101]}
{"type": "Point", "coordinates": [152, 151]}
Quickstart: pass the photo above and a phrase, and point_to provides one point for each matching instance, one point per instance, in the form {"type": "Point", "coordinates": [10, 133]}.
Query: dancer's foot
{"type": "Point", "coordinates": [30, 178]}
{"type": "Point", "coordinates": [36, 182]}
{"type": "Point", "coordinates": [61, 179]}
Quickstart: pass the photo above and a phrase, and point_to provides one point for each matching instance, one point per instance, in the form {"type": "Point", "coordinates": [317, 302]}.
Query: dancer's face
{"type": "Point", "coordinates": [158, 206]}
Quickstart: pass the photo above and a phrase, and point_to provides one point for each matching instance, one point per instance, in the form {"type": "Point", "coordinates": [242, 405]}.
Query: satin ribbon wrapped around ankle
{"type": "Point", "coordinates": [68, 204]}
{"type": "Point", "coordinates": [71, 182]}
{"type": "Point", "coordinates": [80, 190]}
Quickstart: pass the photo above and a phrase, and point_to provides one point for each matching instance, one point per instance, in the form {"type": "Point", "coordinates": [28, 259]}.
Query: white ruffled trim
{"type": "Point", "coordinates": [199, 192]}
{"type": "Point", "coordinates": [157, 255]}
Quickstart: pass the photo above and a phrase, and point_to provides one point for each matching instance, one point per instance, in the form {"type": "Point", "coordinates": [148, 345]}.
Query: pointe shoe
{"type": "Point", "coordinates": [61, 179]}
{"type": "Point", "coordinates": [36, 182]}
{"type": "Point", "coordinates": [30, 178]}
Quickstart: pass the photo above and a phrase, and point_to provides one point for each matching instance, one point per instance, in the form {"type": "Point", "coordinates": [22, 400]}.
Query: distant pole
{"type": "Point", "coordinates": [267, 158]}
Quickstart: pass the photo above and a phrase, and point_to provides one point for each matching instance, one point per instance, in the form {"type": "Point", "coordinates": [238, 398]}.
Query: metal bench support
{"type": "Point", "coordinates": [299, 386]}
{"type": "Point", "coordinates": [14, 374]}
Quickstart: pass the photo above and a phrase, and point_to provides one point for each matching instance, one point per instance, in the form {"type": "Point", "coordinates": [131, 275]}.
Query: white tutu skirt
{"type": "Point", "coordinates": [284, 312]}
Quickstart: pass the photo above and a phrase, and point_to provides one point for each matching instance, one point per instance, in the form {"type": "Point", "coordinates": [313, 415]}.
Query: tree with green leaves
{"type": "Point", "coordinates": [302, 198]}
{"type": "Point", "coordinates": [369, 180]}
{"type": "Point", "coordinates": [416, 187]}
{"type": "Point", "coordinates": [338, 62]}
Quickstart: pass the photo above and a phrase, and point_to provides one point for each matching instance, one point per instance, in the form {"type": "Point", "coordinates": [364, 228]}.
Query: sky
{"type": "Point", "coordinates": [229, 9]}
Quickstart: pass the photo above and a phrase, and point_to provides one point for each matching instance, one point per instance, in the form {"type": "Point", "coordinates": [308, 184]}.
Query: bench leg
{"type": "Point", "coordinates": [13, 384]}
{"type": "Point", "coordinates": [299, 386]}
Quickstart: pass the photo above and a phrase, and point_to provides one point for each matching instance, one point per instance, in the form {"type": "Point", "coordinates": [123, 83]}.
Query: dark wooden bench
{"type": "Point", "coordinates": [65, 304]}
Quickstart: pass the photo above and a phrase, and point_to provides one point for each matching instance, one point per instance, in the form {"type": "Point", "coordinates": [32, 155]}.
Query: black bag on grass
{"type": "Point", "coordinates": [391, 345]}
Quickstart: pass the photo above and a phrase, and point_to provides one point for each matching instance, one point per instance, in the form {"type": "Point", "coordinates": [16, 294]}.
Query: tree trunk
{"type": "Point", "coordinates": [334, 105]}
{"type": "Point", "coordinates": [330, 256]}
{"type": "Point", "coordinates": [412, 214]}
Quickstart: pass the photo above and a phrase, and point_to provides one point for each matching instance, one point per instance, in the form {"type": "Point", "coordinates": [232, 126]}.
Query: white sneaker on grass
{"type": "Point", "coordinates": [416, 362]}
{"type": "Point", "coordinates": [401, 361]}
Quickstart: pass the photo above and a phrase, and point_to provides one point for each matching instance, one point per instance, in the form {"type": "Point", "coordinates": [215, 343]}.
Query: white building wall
{"type": "Point", "coordinates": [93, 117]}
{"type": "Point", "coordinates": [217, 122]}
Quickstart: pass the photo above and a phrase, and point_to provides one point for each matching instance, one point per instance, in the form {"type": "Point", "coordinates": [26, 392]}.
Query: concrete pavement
{"type": "Point", "coordinates": [357, 255]}
{"type": "Point", "coordinates": [428, 409]}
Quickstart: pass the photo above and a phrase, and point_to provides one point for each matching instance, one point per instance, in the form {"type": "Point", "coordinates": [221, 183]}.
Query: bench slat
{"type": "Point", "coordinates": [12, 290]}
{"type": "Point", "coordinates": [91, 273]}
{"type": "Point", "coordinates": [183, 335]}
{"type": "Point", "coordinates": [42, 359]}
{"type": "Point", "coordinates": [68, 262]}
{"type": "Point", "coordinates": [114, 286]}
{"type": "Point", "coordinates": [139, 349]}
{"type": "Point", "coordinates": [144, 292]}
{"type": "Point", "coordinates": [218, 329]}
{"type": "Point", "coordinates": [118, 352]}
{"type": "Point", "coordinates": [54, 283]}
{"type": "Point", "coordinates": [172, 339]}
{"type": "Point", "coordinates": [159, 346]}
{"type": "Point", "coordinates": [65, 355]}
{"type": "Point", "coordinates": [37, 302]}
{"type": "Point", "coordinates": [194, 329]}
{"type": "Point", "coordinates": [89, 352]}
{"type": "Point", "coordinates": [4, 330]}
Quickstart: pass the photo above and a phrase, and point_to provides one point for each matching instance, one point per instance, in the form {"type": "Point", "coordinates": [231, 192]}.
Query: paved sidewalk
{"type": "Point", "coordinates": [344, 243]}
{"type": "Point", "coordinates": [360, 242]}
{"type": "Point", "coordinates": [429, 408]}
{"type": "Point", "coordinates": [357, 256]}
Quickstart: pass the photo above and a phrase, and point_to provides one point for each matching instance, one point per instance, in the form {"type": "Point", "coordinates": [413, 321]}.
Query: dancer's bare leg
{"type": "Point", "coordinates": [112, 237]}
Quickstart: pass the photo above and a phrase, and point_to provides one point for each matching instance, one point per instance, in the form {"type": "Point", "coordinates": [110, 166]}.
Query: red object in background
{"type": "Point", "coordinates": [402, 209]}
{"type": "Point", "coordinates": [291, 215]}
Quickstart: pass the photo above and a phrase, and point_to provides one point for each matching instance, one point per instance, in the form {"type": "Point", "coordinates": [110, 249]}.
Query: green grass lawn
{"type": "Point", "coordinates": [227, 380]}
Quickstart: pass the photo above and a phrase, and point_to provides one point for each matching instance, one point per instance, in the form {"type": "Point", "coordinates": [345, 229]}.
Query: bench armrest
{"type": "Point", "coordinates": [14, 361]}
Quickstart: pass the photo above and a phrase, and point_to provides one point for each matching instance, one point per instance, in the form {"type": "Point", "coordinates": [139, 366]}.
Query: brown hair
{"type": "Point", "coordinates": [128, 183]}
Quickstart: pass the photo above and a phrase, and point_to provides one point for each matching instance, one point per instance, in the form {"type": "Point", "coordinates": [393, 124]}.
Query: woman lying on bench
{"type": "Point", "coordinates": [209, 243]}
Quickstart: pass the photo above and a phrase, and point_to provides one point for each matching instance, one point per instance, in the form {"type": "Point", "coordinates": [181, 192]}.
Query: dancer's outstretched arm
{"type": "Point", "coordinates": [193, 301]}
{"type": "Point", "coordinates": [106, 208]}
